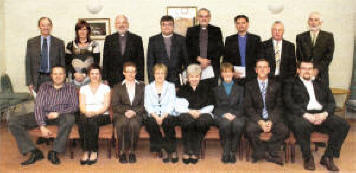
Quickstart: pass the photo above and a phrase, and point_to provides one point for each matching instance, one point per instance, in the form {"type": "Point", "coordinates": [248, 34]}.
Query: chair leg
{"type": "Point", "coordinates": [292, 153]}
{"type": "Point", "coordinates": [71, 148]}
{"type": "Point", "coordinates": [117, 148]}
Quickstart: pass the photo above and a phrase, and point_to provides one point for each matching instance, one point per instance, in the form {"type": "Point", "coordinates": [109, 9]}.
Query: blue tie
{"type": "Point", "coordinates": [263, 92]}
{"type": "Point", "coordinates": [44, 57]}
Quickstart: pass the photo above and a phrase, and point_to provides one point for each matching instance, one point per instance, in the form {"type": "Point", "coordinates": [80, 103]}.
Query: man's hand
{"type": "Point", "coordinates": [237, 75]}
{"type": "Point", "coordinates": [130, 113]}
{"type": "Point", "coordinates": [204, 62]}
{"type": "Point", "coordinates": [79, 77]}
{"type": "Point", "coordinates": [106, 82]}
{"type": "Point", "coordinates": [309, 117]}
{"type": "Point", "coordinates": [31, 88]}
{"type": "Point", "coordinates": [45, 132]}
{"type": "Point", "coordinates": [320, 118]}
{"type": "Point", "coordinates": [229, 116]}
{"type": "Point", "coordinates": [90, 114]}
{"type": "Point", "coordinates": [53, 115]}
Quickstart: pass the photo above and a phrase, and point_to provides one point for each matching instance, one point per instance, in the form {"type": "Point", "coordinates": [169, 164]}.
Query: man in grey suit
{"type": "Point", "coordinates": [167, 48]}
{"type": "Point", "coordinates": [318, 46]}
{"type": "Point", "coordinates": [42, 53]}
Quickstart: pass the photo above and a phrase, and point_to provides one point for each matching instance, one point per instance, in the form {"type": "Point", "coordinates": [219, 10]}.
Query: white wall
{"type": "Point", "coordinates": [2, 40]}
{"type": "Point", "coordinates": [21, 19]}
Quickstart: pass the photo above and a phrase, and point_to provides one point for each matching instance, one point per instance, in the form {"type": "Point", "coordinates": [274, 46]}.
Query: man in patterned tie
{"type": "Point", "coordinates": [263, 108]}
{"type": "Point", "coordinates": [280, 53]}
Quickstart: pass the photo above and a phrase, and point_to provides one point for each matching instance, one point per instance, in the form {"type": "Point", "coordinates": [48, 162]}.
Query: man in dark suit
{"type": "Point", "coordinates": [280, 53]}
{"type": "Point", "coordinates": [316, 45]}
{"type": "Point", "coordinates": [310, 105]}
{"type": "Point", "coordinates": [242, 49]}
{"type": "Point", "coordinates": [167, 48]}
{"type": "Point", "coordinates": [205, 45]}
{"type": "Point", "coordinates": [120, 47]}
{"type": "Point", "coordinates": [42, 53]}
{"type": "Point", "coordinates": [263, 108]}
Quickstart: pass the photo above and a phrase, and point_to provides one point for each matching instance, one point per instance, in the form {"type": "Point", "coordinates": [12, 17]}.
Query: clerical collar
{"type": "Point", "coordinates": [203, 28]}
{"type": "Point", "coordinates": [166, 36]}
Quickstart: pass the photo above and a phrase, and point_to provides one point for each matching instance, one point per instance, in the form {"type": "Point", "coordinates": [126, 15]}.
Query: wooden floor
{"type": "Point", "coordinates": [10, 160]}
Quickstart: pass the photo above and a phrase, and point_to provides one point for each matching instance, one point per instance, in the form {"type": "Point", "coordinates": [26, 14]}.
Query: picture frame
{"type": "Point", "coordinates": [184, 17]}
{"type": "Point", "coordinates": [100, 27]}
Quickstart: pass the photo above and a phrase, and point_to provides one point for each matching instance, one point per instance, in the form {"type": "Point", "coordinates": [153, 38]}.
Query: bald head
{"type": "Point", "coordinates": [314, 21]}
{"type": "Point", "coordinates": [121, 24]}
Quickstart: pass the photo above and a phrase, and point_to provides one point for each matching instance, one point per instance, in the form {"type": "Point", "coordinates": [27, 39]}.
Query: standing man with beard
{"type": "Point", "coordinates": [318, 46]}
{"type": "Point", "coordinates": [121, 47]}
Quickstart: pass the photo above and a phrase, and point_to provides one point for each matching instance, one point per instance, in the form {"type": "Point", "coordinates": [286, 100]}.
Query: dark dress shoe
{"type": "Point", "coordinates": [186, 161]}
{"type": "Point", "coordinates": [84, 162]}
{"type": "Point", "coordinates": [52, 156]}
{"type": "Point", "coordinates": [232, 158]}
{"type": "Point", "coordinates": [91, 162]}
{"type": "Point", "coordinates": [275, 159]}
{"type": "Point", "coordinates": [329, 163]}
{"type": "Point", "coordinates": [35, 155]}
{"type": "Point", "coordinates": [122, 158]}
{"type": "Point", "coordinates": [42, 140]}
{"type": "Point", "coordinates": [225, 158]}
{"type": "Point", "coordinates": [309, 163]}
{"type": "Point", "coordinates": [174, 157]}
{"type": "Point", "coordinates": [193, 160]}
{"type": "Point", "coordinates": [132, 158]}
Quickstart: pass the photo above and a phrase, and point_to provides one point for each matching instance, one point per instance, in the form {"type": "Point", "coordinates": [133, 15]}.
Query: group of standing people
{"type": "Point", "coordinates": [279, 88]}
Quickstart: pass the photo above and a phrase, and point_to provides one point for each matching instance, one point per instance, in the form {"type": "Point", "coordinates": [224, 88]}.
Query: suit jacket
{"type": "Point", "coordinates": [232, 103]}
{"type": "Point", "coordinates": [253, 103]}
{"type": "Point", "coordinates": [321, 53]}
{"type": "Point", "coordinates": [157, 53]}
{"type": "Point", "coordinates": [288, 61]}
{"type": "Point", "coordinates": [215, 46]}
{"type": "Point", "coordinates": [33, 57]}
{"type": "Point", "coordinates": [113, 60]}
{"type": "Point", "coordinates": [232, 53]}
{"type": "Point", "coordinates": [163, 104]}
{"type": "Point", "coordinates": [120, 101]}
{"type": "Point", "coordinates": [296, 97]}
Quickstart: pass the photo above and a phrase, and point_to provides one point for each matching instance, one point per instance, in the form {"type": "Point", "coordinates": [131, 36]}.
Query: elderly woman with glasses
{"type": "Point", "coordinates": [197, 118]}
{"type": "Point", "coordinates": [160, 98]}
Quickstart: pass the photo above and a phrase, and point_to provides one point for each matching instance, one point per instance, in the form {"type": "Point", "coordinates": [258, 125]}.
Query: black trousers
{"type": "Point", "coordinates": [89, 131]}
{"type": "Point", "coordinates": [127, 130]}
{"type": "Point", "coordinates": [193, 132]}
{"type": "Point", "coordinates": [273, 146]}
{"type": "Point", "coordinates": [167, 141]}
{"type": "Point", "coordinates": [336, 127]}
{"type": "Point", "coordinates": [230, 132]}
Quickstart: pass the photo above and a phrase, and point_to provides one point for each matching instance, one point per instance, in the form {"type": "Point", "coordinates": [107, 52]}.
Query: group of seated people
{"type": "Point", "coordinates": [263, 109]}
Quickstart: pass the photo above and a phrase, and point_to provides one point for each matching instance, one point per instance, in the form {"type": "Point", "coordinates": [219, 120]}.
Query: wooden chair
{"type": "Point", "coordinates": [74, 134]}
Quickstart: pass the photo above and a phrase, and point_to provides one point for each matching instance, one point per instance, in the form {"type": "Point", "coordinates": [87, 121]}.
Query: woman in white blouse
{"type": "Point", "coordinates": [160, 98]}
{"type": "Point", "coordinates": [94, 100]}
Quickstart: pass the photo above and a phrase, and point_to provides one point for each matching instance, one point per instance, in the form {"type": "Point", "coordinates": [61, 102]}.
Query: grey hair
{"type": "Point", "coordinates": [194, 69]}
{"type": "Point", "coordinates": [315, 13]}
{"type": "Point", "coordinates": [204, 9]}
{"type": "Point", "coordinates": [277, 22]}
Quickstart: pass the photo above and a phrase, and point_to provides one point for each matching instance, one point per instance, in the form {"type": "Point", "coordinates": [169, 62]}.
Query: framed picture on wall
{"type": "Point", "coordinates": [184, 17]}
{"type": "Point", "coordinates": [100, 27]}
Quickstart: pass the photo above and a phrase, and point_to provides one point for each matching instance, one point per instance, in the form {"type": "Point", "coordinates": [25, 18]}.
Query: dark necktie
{"type": "Point", "coordinates": [44, 57]}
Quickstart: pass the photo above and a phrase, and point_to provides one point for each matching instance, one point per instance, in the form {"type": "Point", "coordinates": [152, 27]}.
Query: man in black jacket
{"type": "Point", "coordinates": [242, 49]}
{"type": "Point", "coordinates": [311, 106]}
{"type": "Point", "coordinates": [280, 53]}
{"type": "Point", "coordinates": [316, 45]}
{"type": "Point", "coordinates": [167, 48]}
{"type": "Point", "coordinates": [263, 108]}
{"type": "Point", "coordinates": [121, 47]}
{"type": "Point", "coordinates": [205, 45]}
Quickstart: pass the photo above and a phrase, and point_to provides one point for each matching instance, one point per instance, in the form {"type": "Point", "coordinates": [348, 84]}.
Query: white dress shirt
{"type": "Point", "coordinates": [313, 103]}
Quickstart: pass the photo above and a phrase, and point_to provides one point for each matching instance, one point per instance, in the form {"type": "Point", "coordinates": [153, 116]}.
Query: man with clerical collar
{"type": "Point", "coordinates": [310, 106]}
{"type": "Point", "coordinates": [55, 104]}
{"type": "Point", "coordinates": [120, 47]}
{"type": "Point", "coordinates": [205, 45]}
{"type": "Point", "coordinates": [316, 45]}
{"type": "Point", "coordinates": [168, 48]}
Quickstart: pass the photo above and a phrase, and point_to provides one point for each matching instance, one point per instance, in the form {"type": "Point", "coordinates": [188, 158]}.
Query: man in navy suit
{"type": "Point", "coordinates": [167, 48]}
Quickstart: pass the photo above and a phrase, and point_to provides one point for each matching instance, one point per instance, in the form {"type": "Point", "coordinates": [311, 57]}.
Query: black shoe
{"type": "Point", "coordinates": [35, 155]}
{"type": "Point", "coordinates": [174, 157]}
{"type": "Point", "coordinates": [84, 162]}
{"type": "Point", "coordinates": [122, 158]}
{"type": "Point", "coordinates": [329, 163]}
{"type": "Point", "coordinates": [42, 140]}
{"type": "Point", "coordinates": [132, 158]}
{"type": "Point", "coordinates": [52, 156]}
{"type": "Point", "coordinates": [165, 156]}
{"type": "Point", "coordinates": [193, 161]}
{"type": "Point", "coordinates": [275, 159]}
{"type": "Point", "coordinates": [91, 162]}
{"type": "Point", "coordinates": [232, 158]}
{"type": "Point", "coordinates": [186, 160]}
{"type": "Point", "coordinates": [225, 158]}
{"type": "Point", "coordinates": [309, 163]}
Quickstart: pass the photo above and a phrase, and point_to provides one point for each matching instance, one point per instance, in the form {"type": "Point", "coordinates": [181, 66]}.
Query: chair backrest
{"type": "Point", "coordinates": [6, 86]}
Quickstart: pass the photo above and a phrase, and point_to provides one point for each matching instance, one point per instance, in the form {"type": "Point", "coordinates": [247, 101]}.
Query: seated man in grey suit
{"type": "Point", "coordinates": [167, 48]}
{"type": "Point", "coordinates": [311, 107]}
{"type": "Point", "coordinates": [55, 103]}
{"type": "Point", "coordinates": [263, 107]}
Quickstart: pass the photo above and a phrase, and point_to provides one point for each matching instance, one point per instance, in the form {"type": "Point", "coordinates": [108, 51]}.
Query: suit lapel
{"type": "Point", "coordinates": [126, 94]}
{"type": "Point", "coordinates": [137, 95]}
{"type": "Point", "coordinates": [308, 39]}
{"type": "Point", "coordinates": [163, 46]}
{"type": "Point", "coordinates": [38, 49]}
{"type": "Point", "coordinates": [258, 92]}
{"type": "Point", "coordinates": [271, 49]}
{"type": "Point", "coordinates": [173, 45]}
{"type": "Point", "coordinates": [319, 38]}
{"type": "Point", "coordinates": [52, 49]}
{"type": "Point", "coordinates": [128, 42]}
{"type": "Point", "coordinates": [237, 46]}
